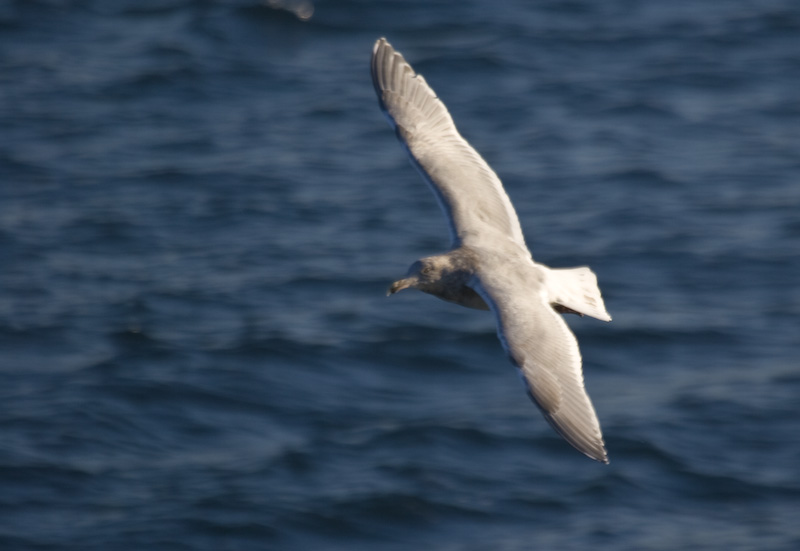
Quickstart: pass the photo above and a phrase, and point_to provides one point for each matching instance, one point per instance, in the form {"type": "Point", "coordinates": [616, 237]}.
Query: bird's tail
{"type": "Point", "coordinates": [576, 289]}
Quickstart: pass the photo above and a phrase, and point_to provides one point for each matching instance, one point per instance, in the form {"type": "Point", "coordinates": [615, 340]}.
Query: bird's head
{"type": "Point", "coordinates": [424, 274]}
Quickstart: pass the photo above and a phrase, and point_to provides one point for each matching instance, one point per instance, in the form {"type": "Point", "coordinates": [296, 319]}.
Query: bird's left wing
{"type": "Point", "coordinates": [540, 344]}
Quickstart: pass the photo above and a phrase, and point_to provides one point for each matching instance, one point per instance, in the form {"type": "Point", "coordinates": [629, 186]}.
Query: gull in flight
{"type": "Point", "coordinates": [489, 267]}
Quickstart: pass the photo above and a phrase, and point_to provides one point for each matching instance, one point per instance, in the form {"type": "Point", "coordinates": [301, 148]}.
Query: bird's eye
{"type": "Point", "coordinates": [426, 270]}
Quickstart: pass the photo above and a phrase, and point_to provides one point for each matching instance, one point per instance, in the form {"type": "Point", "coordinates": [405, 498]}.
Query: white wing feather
{"type": "Point", "coordinates": [539, 342]}
{"type": "Point", "coordinates": [469, 192]}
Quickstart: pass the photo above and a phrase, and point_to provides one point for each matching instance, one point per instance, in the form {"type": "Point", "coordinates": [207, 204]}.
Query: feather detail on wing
{"type": "Point", "coordinates": [540, 344]}
{"type": "Point", "coordinates": [469, 192]}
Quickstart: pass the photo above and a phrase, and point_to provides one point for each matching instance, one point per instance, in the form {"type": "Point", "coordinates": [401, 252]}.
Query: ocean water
{"type": "Point", "coordinates": [201, 207]}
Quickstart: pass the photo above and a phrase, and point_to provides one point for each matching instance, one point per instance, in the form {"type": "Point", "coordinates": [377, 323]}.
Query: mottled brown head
{"type": "Point", "coordinates": [444, 276]}
{"type": "Point", "coordinates": [425, 274]}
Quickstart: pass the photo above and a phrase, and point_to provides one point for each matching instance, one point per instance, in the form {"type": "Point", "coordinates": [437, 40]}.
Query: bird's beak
{"type": "Point", "coordinates": [400, 284]}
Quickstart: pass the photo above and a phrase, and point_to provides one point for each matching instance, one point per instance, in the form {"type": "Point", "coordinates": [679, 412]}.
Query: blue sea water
{"type": "Point", "coordinates": [201, 207]}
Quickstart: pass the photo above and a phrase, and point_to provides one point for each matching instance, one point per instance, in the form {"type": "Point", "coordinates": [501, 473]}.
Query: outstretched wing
{"type": "Point", "coordinates": [468, 191]}
{"type": "Point", "coordinates": [540, 344]}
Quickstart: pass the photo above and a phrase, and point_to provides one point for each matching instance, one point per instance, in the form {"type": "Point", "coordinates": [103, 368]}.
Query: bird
{"type": "Point", "coordinates": [488, 265]}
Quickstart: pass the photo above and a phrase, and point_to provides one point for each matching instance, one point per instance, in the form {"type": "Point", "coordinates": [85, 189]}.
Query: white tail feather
{"type": "Point", "coordinates": [576, 289]}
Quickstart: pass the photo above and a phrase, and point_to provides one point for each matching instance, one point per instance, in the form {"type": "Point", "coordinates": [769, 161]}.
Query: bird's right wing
{"type": "Point", "coordinates": [540, 344]}
{"type": "Point", "coordinates": [467, 189]}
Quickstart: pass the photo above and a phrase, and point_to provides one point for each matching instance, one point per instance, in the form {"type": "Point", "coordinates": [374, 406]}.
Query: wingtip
{"type": "Point", "coordinates": [600, 455]}
{"type": "Point", "coordinates": [381, 44]}
{"type": "Point", "coordinates": [382, 52]}
{"type": "Point", "coordinates": [593, 447]}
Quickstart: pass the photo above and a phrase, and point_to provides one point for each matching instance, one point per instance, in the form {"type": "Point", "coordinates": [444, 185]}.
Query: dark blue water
{"type": "Point", "coordinates": [201, 207]}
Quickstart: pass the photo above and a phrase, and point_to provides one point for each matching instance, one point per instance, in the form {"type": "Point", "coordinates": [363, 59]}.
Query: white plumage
{"type": "Point", "coordinates": [489, 264]}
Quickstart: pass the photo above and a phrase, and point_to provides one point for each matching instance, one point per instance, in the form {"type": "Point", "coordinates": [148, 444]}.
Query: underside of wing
{"type": "Point", "coordinates": [467, 189]}
{"type": "Point", "coordinates": [540, 344]}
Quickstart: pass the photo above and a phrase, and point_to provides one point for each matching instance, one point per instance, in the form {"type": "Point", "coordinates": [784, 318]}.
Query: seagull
{"type": "Point", "coordinates": [489, 266]}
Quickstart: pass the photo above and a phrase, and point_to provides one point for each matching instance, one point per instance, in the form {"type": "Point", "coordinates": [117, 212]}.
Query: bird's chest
{"type": "Point", "coordinates": [467, 297]}
{"type": "Point", "coordinates": [453, 288]}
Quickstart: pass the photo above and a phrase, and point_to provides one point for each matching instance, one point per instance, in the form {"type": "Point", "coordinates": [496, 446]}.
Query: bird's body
{"type": "Point", "coordinates": [489, 266]}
